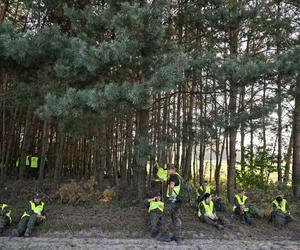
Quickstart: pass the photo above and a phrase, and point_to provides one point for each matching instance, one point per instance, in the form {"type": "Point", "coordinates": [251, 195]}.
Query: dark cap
{"type": "Point", "coordinates": [206, 195]}
{"type": "Point", "coordinates": [171, 166]}
{"type": "Point", "coordinates": [37, 196]}
{"type": "Point", "coordinates": [279, 198]}
{"type": "Point", "coordinates": [241, 190]}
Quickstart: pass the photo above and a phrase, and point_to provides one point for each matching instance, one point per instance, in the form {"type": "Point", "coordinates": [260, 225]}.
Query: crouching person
{"type": "Point", "coordinates": [280, 215]}
{"type": "Point", "coordinates": [207, 213]}
{"type": "Point", "coordinates": [155, 210]}
{"type": "Point", "coordinates": [5, 217]}
{"type": "Point", "coordinates": [241, 208]}
{"type": "Point", "coordinates": [34, 214]}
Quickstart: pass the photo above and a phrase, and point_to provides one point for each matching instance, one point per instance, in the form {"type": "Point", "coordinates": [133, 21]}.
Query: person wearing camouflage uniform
{"type": "Point", "coordinates": [171, 221]}
{"type": "Point", "coordinates": [5, 217]}
{"type": "Point", "coordinates": [34, 214]}
{"type": "Point", "coordinates": [155, 210]}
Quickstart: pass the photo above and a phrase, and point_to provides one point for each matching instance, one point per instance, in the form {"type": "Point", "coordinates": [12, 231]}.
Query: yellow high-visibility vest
{"type": "Point", "coordinates": [35, 208]}
{"type": "Point", "coordinates": [34, 162]}
{"type": "Point", "coordinates": [209, 208]}
{"type": "Point", "coordinates": [207, 189]}
{"type": "Point", "coordinates": [176, 189]}
{"type": "Point", "coordinates": [281, 206]}
{"type": "Point", "coordinates": [8, 214]}
{"type": "Point", "coordinates": [27, 160]}
{"type": "Point", "coordinates": [156, 204]}
{"type": "Point", "coordinates": [241, 201]}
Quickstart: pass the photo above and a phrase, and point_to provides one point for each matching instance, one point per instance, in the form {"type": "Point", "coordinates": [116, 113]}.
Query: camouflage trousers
{"type": "Point", "coordinates": [27, 223]}
{"type": "Point", "coordinates": [171, 220]}
{"type": "Point", "coordinates": [4, 221]}
{"type": "Point", "coordinates": [155, 222]}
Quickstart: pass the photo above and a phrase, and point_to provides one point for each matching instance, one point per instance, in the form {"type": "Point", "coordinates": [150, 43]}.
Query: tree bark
{"type": "Point", "coordinates": [141, 150]}
{"type": "Point", "coordinates": [4, 10]}
{"type": "Point", "coordinates": [45, 138]}
{"type": "Point", "coordinates": [25, 145]}
{"type": "Point", "coordinates": [296, 146]}
{"type": "Point", "coordinates": [288, 159]}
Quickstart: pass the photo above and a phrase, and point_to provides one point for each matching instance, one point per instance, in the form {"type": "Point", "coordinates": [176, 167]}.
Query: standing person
{"type": "Point", "coordinates": [207, 213]}
{"type": "Point", "coordinates": [241, 208]}
{"type": "Point", "coordinates": [5, 217]}
{"type": "Point", "coordinates": [34, 166]}
{"type": "Point", "coordinates": [280, 215]}
{"type": "Point", "coordinates": [172, 208]}
{"type": "Point", "coordinates": [34, 214]}
{"type": "Point", "coordinates": [155, 210]}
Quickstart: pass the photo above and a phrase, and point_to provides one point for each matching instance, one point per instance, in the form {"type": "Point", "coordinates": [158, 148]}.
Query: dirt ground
{"type": "Point", "coordinates": [115, 227]}
{"type": "Point", "coordinates": [122, 225]}
{"type": "Point", "coordinates": [102, 243]}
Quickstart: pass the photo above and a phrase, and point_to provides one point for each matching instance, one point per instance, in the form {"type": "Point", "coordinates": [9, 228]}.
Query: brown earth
{"type": "Point", "coordinates": [122, 225]}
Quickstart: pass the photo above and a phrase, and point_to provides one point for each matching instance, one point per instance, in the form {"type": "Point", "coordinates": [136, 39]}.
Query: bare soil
{"type": "Point", "coordinates": [122, 225]}
{"type": "Point", "coordinates": [102, 243]}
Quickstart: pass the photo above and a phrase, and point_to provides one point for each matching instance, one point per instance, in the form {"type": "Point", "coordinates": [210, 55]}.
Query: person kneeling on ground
{"type": "Point", "coordinates": [280, 215]}
{"type": "Point", "coordinates": [207, 213]}
{"type": "Point", "coordinates": [5, 217]}
{"type": "Point", "coordinates": [241, 208]}
{"type": "Point", "coordinates": [155, 210]}
{"type": "Point", "coordinates": [34, 214]}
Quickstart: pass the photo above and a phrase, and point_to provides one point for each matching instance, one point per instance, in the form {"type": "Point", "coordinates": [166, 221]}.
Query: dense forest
{"type": "Point", "coordinates": [109, 88]}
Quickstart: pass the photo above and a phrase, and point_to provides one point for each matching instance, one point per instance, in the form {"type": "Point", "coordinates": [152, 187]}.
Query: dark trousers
{"type": "Point", "coordinates": [245, 216]}
{"type": "Point", "coordinates": [209, 221]}
{"type": "Point", "coordinates": [280, 219]}
{"type": "Point", "coordinates": [171, 220]}
{"type": "Point", "coordinates": [4, 221]}
{"type": "Point", "coordinates": [27, 223]}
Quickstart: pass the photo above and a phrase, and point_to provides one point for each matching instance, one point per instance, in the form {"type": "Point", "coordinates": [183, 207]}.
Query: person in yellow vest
{"type": "Point", "coordinates": [34, 164]}
{"type": "Point", "coordinates": [160, 179]}
{"type": "Point", "coordinates": [33, 214]}
{"type": "Point", "coordinates": [172, 208]}
{"type": "Point", "coordinates": [162, 173]}
{"type": "Point", "coordinates": [27, 161]}
{"type": "Point", "coordinates": [5, 217]}
{"type": "Point", "coordinates": [280, 215]}
{"type": "Point", "coordinates": [207, 213]}
{"type": "Point", "coordinates": [241, 208]}
{"type": "Point", "coordinates": [205, 188]}
{"type": "Point", "coordinates": [155, 210]}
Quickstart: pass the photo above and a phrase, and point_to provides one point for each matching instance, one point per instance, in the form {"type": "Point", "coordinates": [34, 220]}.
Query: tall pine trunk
{"type": "Point", "coordinates": [44, 150]}
{"type": "Point", "coordinates": [296, 146]}
{"type": "Point", "coordinates": [141, 150]}
{"type": "Point", "coordinates": [25, 144]}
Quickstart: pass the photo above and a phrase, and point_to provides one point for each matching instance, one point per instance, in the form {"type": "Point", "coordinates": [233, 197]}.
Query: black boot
{"type": "Point", "coordinates": [177, 239]}
{"type": "Point", "coordinates": [163, 237]}
{"type": "Point", "coordinates": [15, 233]}
{"type": "Point", "coordinates": [27, 233]}
{"type": "Point", "coordinates": [154, 233]}
{"type": "Point", "coordinates": [219, 226]}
